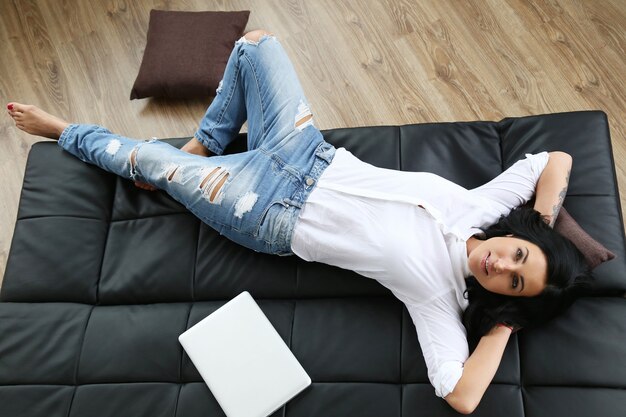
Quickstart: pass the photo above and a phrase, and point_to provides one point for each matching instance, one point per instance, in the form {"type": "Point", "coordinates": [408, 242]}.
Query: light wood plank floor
{"type": "Point", "coordinates": [360, 62]}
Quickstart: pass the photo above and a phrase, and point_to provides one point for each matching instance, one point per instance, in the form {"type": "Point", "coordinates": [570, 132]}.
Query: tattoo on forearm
{"type": "Point", "coordinates": [557, 206]}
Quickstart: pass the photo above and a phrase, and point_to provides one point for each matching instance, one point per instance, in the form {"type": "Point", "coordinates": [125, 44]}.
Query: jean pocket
{"type": "Point", "coordinates": [280, 167]}
{"type": "Point", "coordinates": [268, 225]}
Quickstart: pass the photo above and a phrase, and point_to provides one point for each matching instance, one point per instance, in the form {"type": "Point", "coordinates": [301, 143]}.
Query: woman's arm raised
{"type": "Point", "coordinates": [552, 186]}
{"type": "Point", "coordinates": [479, 370]}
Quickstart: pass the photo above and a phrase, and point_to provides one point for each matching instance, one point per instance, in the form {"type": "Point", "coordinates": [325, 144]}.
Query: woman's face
{"type": "Point", "coordinates": [508, 265]}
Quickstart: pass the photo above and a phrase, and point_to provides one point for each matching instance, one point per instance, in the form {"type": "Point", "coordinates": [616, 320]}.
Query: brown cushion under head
{"type": "Point", "coordinates": [186, 53]}
{"type": "Point", "coordinates": [595, 253]}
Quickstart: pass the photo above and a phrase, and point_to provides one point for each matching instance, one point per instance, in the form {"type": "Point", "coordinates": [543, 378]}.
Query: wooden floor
{"type": "Point", "coordinates": [360, 62]}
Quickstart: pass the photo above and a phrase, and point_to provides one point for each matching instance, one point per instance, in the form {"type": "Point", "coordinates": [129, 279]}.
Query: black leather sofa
{"type": "Point", "coordinates": [102, 278]}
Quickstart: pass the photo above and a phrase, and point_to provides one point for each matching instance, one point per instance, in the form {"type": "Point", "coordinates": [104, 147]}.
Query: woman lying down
{"type": "Point", "coordinates": [469, 265]}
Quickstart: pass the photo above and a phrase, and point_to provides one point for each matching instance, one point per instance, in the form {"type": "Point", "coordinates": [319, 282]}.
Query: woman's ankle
{"type": "Point", "coordinates": [194, 146]}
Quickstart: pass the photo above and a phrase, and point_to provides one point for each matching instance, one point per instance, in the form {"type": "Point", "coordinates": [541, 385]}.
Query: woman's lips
{"type": "Point", "coordinates": [484, 264]}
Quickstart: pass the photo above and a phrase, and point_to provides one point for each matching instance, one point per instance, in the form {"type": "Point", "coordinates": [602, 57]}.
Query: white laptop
{"type": "Point", "coordinates": [243, 360]}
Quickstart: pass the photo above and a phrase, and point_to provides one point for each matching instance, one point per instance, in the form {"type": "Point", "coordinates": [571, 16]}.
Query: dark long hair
{"type": "Point", "coordinates": [569, 277]}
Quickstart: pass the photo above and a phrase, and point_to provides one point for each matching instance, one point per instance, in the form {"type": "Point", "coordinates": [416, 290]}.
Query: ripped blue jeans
{"type": "Point", "coordinates": [254, 197]}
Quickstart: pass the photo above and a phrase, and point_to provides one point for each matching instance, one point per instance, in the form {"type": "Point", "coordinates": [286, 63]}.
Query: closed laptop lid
{"type": "Point", "coordinates": [243, 360]}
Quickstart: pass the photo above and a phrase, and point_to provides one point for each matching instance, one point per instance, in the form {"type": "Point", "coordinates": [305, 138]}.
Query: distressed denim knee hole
{"type": "Point", "coordinates": [303, 120]}
{"type": "Point", "coordinates": [213, 183]}
{"type": "Point", "coordinates": [133, 161]}
{"type": "Point", "coordinates": [262, 38]}
{"type": "Point", "coordinates": [303, 117]}
{"type": "Point", "coordinates": [173, 173]}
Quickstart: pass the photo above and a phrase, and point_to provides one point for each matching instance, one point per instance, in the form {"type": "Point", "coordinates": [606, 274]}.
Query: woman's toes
{"type": "Point", "coordinates": [15, 110]}
{"type": "Point", "coordinates": [16, 107]}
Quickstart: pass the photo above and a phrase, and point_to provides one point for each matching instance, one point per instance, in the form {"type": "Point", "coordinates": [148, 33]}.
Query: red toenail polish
{"type": "Point", "coordinates": [10, 106]}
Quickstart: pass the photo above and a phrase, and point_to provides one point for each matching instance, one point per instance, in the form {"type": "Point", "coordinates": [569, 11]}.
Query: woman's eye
{"type": "Point", "coordinates": [519, 253]}
{"type": "Point", "coordinates": [515, 282]}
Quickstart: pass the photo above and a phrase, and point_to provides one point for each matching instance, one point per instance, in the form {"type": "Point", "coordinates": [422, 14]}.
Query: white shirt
{"type": "Point", "coordinates": [408, 231]}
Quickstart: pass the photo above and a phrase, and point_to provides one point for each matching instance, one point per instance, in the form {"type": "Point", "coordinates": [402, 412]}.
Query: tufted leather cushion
{"type": "Point", "coordinates": [102, 278]}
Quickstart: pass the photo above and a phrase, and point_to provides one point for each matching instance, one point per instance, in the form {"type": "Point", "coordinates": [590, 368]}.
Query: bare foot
{"type": "Point", "coordinates": [33, 120]}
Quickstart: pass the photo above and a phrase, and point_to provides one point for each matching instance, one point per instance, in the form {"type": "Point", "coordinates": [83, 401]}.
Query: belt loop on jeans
{"type": "Point", "coordinates": [325, 151]}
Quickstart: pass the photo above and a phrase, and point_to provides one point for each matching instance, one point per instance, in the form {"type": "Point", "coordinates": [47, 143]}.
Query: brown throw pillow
{"type": "Point", "coordinates": [186, 53]}
{"type": "Point", "coordinates": [595, 253]}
